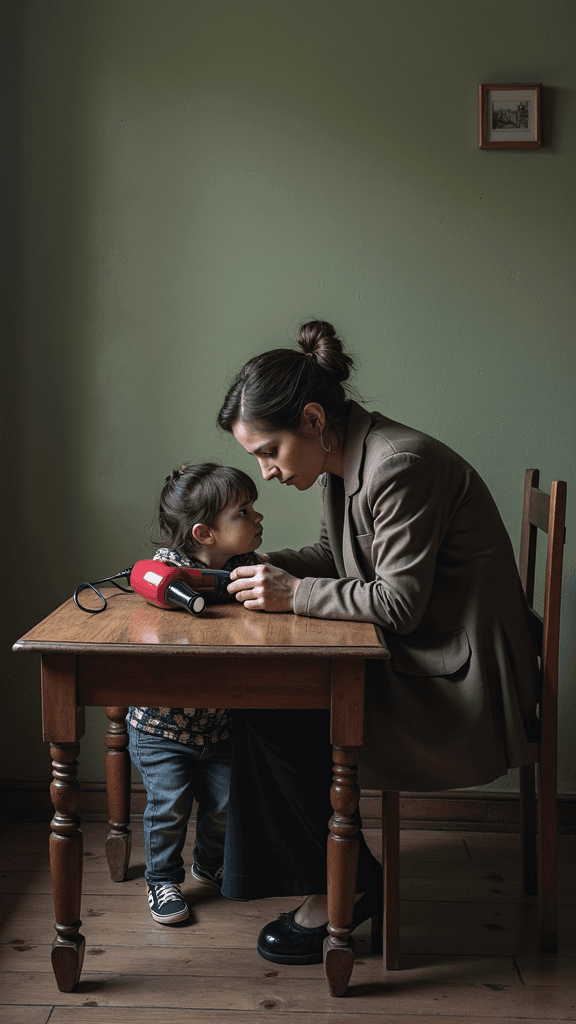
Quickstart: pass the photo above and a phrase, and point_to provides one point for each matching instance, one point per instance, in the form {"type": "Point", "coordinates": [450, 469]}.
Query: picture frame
{"type": "Point", "coordinates": [509, 116]}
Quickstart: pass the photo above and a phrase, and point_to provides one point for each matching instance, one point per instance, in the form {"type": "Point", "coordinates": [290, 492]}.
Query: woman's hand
{"type": "Point", "coordinates": [263, 588]}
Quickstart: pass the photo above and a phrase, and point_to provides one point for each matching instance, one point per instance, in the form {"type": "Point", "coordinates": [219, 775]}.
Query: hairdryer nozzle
{"type": "Point", "coordinates": [179, 594]}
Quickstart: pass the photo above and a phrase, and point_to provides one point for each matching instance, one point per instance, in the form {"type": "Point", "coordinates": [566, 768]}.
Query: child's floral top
{"type": "Point", "coordinates": [191, 726]}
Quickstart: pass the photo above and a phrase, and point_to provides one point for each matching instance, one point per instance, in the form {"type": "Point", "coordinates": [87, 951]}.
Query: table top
{"type": "Point", "coordinates": [130, 625]}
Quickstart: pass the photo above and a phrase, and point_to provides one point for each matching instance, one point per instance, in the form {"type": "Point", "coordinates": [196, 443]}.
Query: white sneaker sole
{"type": "Point", "coordinates": [171, 918]}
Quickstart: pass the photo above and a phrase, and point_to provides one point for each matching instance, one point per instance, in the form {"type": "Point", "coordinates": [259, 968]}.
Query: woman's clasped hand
{"type": "Point", "coordinates": [263, 588]}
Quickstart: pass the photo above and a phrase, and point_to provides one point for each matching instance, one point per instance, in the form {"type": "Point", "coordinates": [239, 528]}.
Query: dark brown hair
{"type": "Point", "coordinates": [273, 388]}
{"type": "Point", "coordinates": [197, 494]}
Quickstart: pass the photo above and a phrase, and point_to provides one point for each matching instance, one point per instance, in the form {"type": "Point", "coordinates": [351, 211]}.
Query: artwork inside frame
{"type": "Point", "coordinates": [509, 117]}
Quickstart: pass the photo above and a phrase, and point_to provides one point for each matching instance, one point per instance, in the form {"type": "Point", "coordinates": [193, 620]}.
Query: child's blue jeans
{"type": "Point", "coordinates": [174, 775]}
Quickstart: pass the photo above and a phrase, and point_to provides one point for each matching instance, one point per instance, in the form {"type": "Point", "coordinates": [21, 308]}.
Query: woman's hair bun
{"type": "Point", "coordinates": [319, 340]}
{"type": "Point", "coordinates": [272, 389]}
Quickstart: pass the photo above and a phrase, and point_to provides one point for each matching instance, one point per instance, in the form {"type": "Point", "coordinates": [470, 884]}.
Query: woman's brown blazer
{"type": "Point", "coordinates": [412, 540]}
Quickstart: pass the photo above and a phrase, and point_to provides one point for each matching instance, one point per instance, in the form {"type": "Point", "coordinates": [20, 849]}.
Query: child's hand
{"type": "Point", "coordinates": [263, 588]}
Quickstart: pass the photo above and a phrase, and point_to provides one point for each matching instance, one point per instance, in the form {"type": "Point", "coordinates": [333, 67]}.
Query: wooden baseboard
{"type": "Point", "coordinates": [475, 811]}
{"type": "Point", "coordinates": [22, 800]}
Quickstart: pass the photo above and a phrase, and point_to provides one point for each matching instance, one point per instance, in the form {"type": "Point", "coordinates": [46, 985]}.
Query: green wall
{"type": "Point", "coordinates": [193, 178]}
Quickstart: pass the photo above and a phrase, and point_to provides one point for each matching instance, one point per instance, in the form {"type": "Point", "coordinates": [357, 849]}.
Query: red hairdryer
{"type": "Point", "coordinates": [166, 586]}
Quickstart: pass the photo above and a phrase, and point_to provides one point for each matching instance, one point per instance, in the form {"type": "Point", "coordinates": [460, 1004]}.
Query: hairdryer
{"type": "Point", "coordinates": [213, 583]}
{"type": "Point", "coordinates": [167, 586]}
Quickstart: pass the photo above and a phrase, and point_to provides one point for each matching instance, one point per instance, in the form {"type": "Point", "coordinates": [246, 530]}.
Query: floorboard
{"type": "Point", "coordinates": [369, 989]}
{"type": "Point", "coordinates": [25, 1014]}
{"type": "Point", "coordinates": [468, 941]}
{"type": "Point", "coordinates": [69, 1015]}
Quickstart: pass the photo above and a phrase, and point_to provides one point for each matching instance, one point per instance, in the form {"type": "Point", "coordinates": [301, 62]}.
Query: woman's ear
{"type": "Point", "coordinates": [314, 417]}
{"type": "Point", "coordinates": [202, 534]}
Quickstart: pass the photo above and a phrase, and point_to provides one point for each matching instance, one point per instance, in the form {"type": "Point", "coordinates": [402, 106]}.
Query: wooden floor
{"type": "Point", "coordinates": [469, 940]}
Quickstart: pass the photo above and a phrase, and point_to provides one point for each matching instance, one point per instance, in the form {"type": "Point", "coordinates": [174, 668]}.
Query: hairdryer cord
{"type": "Point", "coordinates": [125, 574]}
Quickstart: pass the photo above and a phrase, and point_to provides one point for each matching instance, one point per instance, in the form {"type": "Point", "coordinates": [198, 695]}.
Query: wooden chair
{"type": "Point", "coordinates": [544, 512]}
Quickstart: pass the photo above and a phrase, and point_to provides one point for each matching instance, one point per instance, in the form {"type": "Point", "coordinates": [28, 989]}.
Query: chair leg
{"type": "Point", "coordinates": [391, 868]}
{"type": "Point", "coordinates": [528, 826]}
{"type": "Point", "coordinates": [547, 850]}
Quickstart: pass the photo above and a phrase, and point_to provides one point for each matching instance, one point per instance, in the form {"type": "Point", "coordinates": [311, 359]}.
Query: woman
{"type": "Point", "coordinates": [412, 541]}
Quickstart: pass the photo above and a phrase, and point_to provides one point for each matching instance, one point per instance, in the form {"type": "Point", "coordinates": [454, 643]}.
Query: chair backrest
{"type": "Point", "coordinates": [546, 512]}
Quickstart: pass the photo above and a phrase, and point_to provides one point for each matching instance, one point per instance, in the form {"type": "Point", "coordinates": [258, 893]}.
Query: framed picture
{"type": "Point", "coordinates": [509, 116]}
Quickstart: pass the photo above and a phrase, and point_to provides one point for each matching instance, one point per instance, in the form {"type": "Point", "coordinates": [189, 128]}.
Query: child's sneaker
{"type": "Point", "coordinates": [207, 875]}
{"type": "Point", "coordinates": [167, 905]}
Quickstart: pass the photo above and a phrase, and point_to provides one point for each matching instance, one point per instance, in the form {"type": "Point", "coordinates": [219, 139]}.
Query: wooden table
{"type": "Point", "coordinates": [137, 654]}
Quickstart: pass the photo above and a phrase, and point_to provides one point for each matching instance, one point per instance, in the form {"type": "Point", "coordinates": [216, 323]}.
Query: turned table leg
{"type": "Point", "coordinates": [342, 870]}
{"type": "Point", "coordinates": [117, 765]}
{"type": "Point", "coordinates": [343, 843]}
{"type": "Point", "coordinates": [66, 866]}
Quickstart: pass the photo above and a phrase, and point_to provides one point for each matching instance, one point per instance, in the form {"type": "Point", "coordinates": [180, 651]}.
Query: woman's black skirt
{"type": "Point", "coordinates": [277, 824]}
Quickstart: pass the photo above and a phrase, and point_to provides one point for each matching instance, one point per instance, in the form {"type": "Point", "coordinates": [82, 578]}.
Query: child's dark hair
{"type": "Point", "coordinates": [273, 388]}
{"type": "Point", "coordinates": [197, 494]}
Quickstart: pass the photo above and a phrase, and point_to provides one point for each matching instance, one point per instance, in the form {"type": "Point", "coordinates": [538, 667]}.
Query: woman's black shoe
{"type": "Point", "coordinates": [284, 941]}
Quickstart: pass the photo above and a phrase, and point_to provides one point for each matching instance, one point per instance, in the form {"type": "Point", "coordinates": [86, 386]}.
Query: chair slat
{"type": "Point", "coordinates": [539, 509]}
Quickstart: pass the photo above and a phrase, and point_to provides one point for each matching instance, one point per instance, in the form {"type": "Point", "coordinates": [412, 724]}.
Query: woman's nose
{"type": "Point", "coordinates": [268, 473]}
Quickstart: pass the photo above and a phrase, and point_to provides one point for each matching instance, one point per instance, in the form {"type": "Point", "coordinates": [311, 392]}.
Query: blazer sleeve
{"type": "Point", "coordinates": [405, 519]}
{"type": "Point", "coordinates": [315, 560]}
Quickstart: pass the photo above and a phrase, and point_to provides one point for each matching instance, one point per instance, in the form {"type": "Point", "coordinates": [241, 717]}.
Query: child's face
{"type": "Point", "coordinates": [237, 529]}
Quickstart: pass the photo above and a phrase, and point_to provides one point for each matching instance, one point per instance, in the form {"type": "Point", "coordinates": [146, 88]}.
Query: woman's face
{"type": "Point", "coordinates": [294, 459]}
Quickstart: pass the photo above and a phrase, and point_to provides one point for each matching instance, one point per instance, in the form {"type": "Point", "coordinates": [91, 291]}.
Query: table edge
{"type": "Point", "coordinates": [155, 650]}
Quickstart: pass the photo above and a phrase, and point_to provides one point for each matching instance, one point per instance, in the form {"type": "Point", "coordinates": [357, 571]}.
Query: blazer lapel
{"type": "Point", "coordinates": [359, 424]}
{"type": "Point", "coordinates": [334, 505]}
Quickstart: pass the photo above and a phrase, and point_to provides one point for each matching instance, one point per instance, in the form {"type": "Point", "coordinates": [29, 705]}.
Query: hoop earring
{"type": "Point", "coordinates": [329, 450]}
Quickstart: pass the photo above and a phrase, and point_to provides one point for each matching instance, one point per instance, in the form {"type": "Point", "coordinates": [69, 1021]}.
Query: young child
{"type": "Point", "coordinates": [207, 518]}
